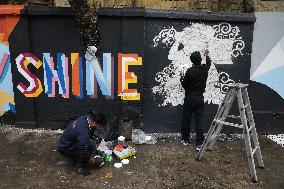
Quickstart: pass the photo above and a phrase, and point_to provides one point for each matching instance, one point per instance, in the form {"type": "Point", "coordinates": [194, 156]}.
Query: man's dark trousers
{"type": "Point", "coordinates": [193, 105]}
{"type": "Point", "coordinates": [79, 154]}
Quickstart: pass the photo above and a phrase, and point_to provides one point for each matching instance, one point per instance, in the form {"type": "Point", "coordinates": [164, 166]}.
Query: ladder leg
{"type": "Point", "coordinates": [222, 106]}
{"type": "Point", "coordinates": [206, 141]}
{"type": "Point", "coordinates": [253, 130]}
{"type": "Point", "coordinates": [246, 136]}
{"type": "Point", "coordinates": [225, 113]}
{"type": "Point", "coordinates": [215, 137]}
{"type": "Point", "coordinates": [250, 156]}
{"type": "Point", "coordinates": [258, 151]}
{"type": "Point", "coordinates": [214, 125]}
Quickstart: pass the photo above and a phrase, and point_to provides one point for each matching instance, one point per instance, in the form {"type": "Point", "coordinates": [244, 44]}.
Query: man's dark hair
{"type": "Point", "coordinates": [195, 58]}
{"type": "Point", "coordinates": [99, 118]}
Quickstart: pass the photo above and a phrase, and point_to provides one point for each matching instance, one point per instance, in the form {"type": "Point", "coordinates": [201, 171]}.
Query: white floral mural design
{"type": "Point", "coordinates": [222, 41]}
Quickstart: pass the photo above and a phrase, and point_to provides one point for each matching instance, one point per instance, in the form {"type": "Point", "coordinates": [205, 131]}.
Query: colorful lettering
{"type": "Point", "coordinates": [22, 62]}
{"type": "Point", "coordinates": [125, 77]}
{"type": "Point", "coordinates": [51, 75]}
{"type": "Point", "coordinates": [104, 78]}
{"type": "Point", "coordinates": [96, 74]}
{"type": "Point", "coordinates": [77, 75]}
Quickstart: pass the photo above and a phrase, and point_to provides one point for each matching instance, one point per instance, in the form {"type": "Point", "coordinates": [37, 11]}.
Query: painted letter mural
{"type": "Point", "coordinates": [77, 75]}
{"type": "Point", "coordinates": [95, 74]}
{"type": "Point", "coordinates": [222, 41]}
{"type": "Point", "coordinates": [125, 77]}
{"type": "Point", "coordinates": [35, 87]}
{"type": "Point", "coordinates": [60, 75]}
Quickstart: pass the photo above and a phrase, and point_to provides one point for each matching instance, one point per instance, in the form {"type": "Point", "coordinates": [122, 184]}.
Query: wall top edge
{"type": "Point", "coordinates": [146, 12]}
{"type": "Point", "coordinates": [10, 9]}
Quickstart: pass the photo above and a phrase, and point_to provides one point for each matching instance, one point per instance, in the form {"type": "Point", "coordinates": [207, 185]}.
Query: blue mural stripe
{"type": "Point", "coordinates": [273, 79]}
{"type": "Point", "coordinates": [88, 82]}
{"type": "Point", "coordinates": [12, 107]}
{"type": "Point", "coordinates": [47, 73]}
{"type": "Point", "coordinates": [60, 72]}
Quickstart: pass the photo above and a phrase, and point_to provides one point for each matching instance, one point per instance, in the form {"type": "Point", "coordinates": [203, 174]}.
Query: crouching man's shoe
{"type": "Point", "coordinates": [84, 171]}
{"type": "Point", "coordinates": [97, 161]}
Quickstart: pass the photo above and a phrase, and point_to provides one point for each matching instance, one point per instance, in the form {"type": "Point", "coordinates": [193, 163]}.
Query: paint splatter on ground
{"type": "Point", "coordinates": [28, 159]}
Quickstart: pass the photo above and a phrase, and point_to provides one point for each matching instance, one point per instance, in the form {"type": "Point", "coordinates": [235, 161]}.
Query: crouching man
{"type": "Point", "coordinates": [76, 142]}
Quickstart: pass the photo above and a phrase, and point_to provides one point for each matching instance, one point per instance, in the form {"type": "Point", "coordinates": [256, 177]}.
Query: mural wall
{"type": "Point", "coordinates": [222, 41]}
{"type": "Point", "coordinates": [135, 74]}
{"type": "Point", "coordinates": [229, 44]}
{"type": "Point", "coordinates": [9, 16]}
{"type": "Point", "coordinates": [55, 79]}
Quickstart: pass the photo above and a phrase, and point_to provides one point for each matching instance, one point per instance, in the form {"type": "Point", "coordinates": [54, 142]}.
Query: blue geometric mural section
{"type": "Point", "coordinates": [6, 84]}
{"type": "Point", "coordinates": [273, 79]}
{"type": "Point", "coordinates": [271, 71]}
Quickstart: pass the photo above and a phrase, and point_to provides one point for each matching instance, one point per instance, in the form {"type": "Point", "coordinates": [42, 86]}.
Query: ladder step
{"type": "Point", "coordinates": [214, 136]}
{"type": "Point", "coordinates": [233, 116]}
{"type": "Point", "coordinates": [227, 123]}
{"type": "Point", "coordinates": [229, 101]}
{"type": "Point", "coordinates": [245, 106]}
{"type": "Point", "coordinates": [254, 150]}
{"type": "Point", "coordinates": [250, 128]}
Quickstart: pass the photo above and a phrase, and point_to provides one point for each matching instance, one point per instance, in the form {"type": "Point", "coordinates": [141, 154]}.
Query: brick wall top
{"type": "Point", "coordinates": [10, 9]}
{"type": "Point", "coordinates": [146, 12]}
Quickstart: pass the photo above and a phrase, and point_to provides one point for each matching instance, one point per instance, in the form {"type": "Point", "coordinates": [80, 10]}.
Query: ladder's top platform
{"type": "Point", "coordinates": [237, 85]}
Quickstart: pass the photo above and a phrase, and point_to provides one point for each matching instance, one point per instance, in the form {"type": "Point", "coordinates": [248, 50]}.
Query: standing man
{"type": "Point", "coordinates": [194, 83]}
{"type": "Point", "coordinates": [76, 143]}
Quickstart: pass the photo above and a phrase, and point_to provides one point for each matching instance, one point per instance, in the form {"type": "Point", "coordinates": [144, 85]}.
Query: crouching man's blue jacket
{"type": "Point", "coordinates": [77, 133]}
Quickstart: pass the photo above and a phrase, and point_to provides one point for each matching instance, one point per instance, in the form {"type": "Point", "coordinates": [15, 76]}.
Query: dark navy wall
{"type": "Point", "coordinates": [54, 31]}
{"type": "Point", "coordinates": [168, 117]}
{"type": "Point", "coordinates": [129, 31]}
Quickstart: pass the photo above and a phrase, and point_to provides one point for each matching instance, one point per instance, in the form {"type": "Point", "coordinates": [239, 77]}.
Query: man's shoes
{"type": "Point", "coordinates": [184, 142]}
{"type": "Point", "coordinates": [84, 171]}
{"type": "Point", "coordinates": [97, 161]}
{"type": "Point", "coordinates": [198, 147]}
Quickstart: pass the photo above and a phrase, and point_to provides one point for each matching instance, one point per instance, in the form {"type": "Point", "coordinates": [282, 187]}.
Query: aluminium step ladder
{"type": "Point", "coordinates": [238, 90]}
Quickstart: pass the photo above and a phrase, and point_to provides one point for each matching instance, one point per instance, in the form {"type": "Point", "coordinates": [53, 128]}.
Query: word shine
{"type": "Point", "coordinates": [104, 77]}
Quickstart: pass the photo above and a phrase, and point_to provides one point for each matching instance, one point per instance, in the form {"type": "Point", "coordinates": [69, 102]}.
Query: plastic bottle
{"type": "Point", "coordinates": [138, 136]}
{"type": "Point", "coordinates": [149, 139]}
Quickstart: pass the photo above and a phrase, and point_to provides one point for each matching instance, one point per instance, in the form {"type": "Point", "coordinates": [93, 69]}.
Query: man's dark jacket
{"type": "Point", "coordinates": [194, 80]}
{"type": "Point", "coordinates": [76, 133]}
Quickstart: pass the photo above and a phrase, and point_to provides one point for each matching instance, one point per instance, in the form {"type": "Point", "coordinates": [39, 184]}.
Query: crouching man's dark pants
{"type": "Point", "coordinates": [78, 153]}
{"type": "Point", "coordinates": [193, 105]}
